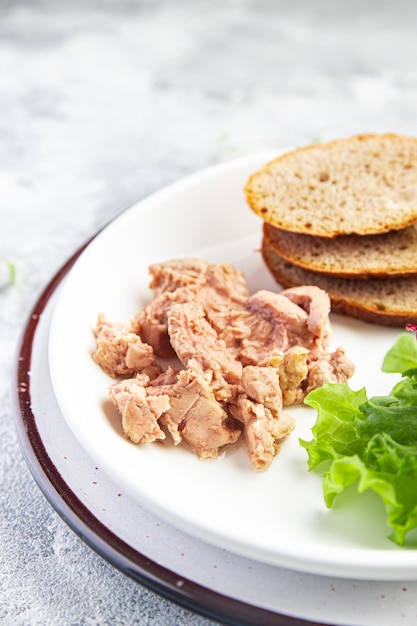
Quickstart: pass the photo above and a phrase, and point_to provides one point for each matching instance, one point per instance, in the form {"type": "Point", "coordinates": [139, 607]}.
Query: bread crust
{"type": "Point", "coordinates": [384, 301]}
{"type": "Point", "coordinates": [366, 184]}
{"type": "Point", "coordinates": [349, 256]}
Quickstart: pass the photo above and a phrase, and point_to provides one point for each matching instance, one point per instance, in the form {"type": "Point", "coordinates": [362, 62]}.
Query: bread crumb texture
{"type": "Point", "coordinates": [361, 185]}
{"type": "Point", "coordinates": [388, 254]}
{"type": "Point", "coordinates": [385, 301]}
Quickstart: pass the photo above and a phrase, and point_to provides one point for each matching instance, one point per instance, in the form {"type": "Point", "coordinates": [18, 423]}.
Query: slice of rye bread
{"type": "Point", "coordinates": [361, 185]}
{"type": "Point", "coordinates": [385, 301]}
{"type": "Point", "coordinates": [349, 256]}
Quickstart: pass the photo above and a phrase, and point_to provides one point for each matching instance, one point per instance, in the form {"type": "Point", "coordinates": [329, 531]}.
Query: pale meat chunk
{"type": "Point", "coordinates": [172, 275]}
{"type": "Point", "coordinates": [251, 338]}
{"type": "Point", "coordinates": [263, 433]}
{"type": "Point", "coordinates": [151, 323]}
{"type": "Point", "coordinates": [293, 371]}
{"type": "Point", "coordinates": [242, 359]}
{"type": "Point", "coordinates": [205, 426]}
{"type": "Point", "coordinates": [258, 407]}
{"type": "Point", "coordinates": [182, 281]}
{"type": "Point", "coordinates": [258, 437]}
{"type": "Point", "coordinates": [193, 337]}
{"type": "Point", "coordinates": [225, 279]}
{"type": "Point", "coordinates": [262, 385]}
{"type": "Point", "coordinates": [140, 412]}
{"type": "Point", "coordinates": [333, 368]}
{"type": "Point", "coordinates": [280, 311]}
{"type": "Point", "coordinates": [190, 412]}
{"type": "Point", "coordinates": [303, 313]}
{"type": "Point", "coordinates": [120, 351]}
{"type": "Point", "coordinates": [317, 304]}
{"type": "Point", "coordinates": [180, 400]}
{"type": "Point", "coordinates": [324, 366]}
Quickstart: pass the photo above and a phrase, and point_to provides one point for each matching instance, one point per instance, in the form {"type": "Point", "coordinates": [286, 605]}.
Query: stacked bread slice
{"type": "Point", "coordinates": [342, 215]}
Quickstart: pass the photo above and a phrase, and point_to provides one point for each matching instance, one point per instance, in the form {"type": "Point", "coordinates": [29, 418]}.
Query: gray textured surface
{"type": "Point", "coordinates": [104, 102]}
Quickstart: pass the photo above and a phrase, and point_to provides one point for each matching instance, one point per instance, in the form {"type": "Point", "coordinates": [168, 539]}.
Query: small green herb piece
{"type": "Point", "coordinates": [11, 268]}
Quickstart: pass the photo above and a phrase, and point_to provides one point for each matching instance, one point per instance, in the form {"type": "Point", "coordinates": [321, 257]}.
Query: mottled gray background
{"type": "Point", "coordinates": [103, 102]}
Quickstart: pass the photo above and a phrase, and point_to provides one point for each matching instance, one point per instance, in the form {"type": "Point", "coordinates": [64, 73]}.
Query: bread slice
{"type": "Point", "coordinates": [385, 301]}
{"type": "Point", "coordinates": [351, 256]}
{"type": "Point", "coordinates": [361, 185]}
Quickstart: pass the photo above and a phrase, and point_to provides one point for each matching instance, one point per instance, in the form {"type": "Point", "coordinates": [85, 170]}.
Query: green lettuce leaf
{"type": "Point", "coordinates": [390, 470]}
{"type": "Point", "coordinates": [334, 432]}
{"type": "Point", "coordinates": [402, 356]}
{"type": "Point", "coordinates": [393, 418]}
{"type": "Point", "coordinates": [371, 442]}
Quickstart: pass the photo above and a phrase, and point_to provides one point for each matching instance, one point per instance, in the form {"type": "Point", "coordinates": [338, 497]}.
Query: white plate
{"type": "Point", "coordinates": [276, 517]}
{"type": "Point", "coordinates": [214, 582]}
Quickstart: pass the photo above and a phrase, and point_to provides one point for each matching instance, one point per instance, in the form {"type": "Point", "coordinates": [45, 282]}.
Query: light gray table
{"type": "Point", "coordinates": [102, 103]}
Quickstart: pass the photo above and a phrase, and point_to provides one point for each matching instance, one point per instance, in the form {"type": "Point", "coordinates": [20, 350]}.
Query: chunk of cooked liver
{"type": "Point", "coordinates": [243, 358]}
{"type": "Point", "coordinates": [120, 351]}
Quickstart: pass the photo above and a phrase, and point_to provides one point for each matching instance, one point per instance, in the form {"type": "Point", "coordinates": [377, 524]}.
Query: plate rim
{"type": "Point", "coordinates": [132, 563]}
